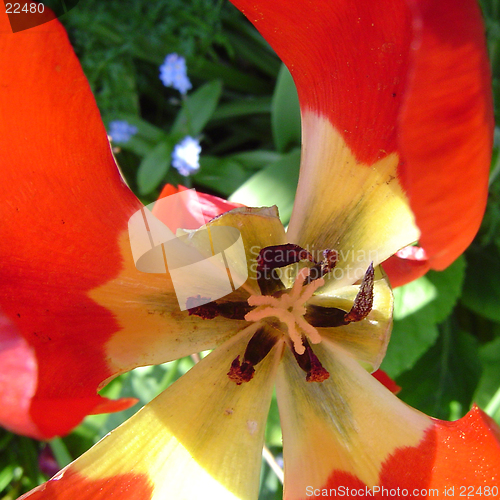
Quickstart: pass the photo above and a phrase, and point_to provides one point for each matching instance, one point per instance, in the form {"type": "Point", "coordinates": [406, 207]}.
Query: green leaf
{"type": "Point", "coordinates": [443, 381]}
{"type": "Point", "coordinates": [255, 53]}
{"type": "Point", "coordinates": [243, 107]}
{"type": "Point", "coordinates": [285, 112]}
{"type": "Point", "coordinates": [481, 291]}
{"type": "Point", "coordinates": [222, 175]}
{"type": "Point", "coordinates": [60, 451]}
{"type": "Point", "coordinates": [256, 160]}
{"type": "Point", "coordinates": [197, 109]}
{"type": "Point", "coordinates": [489, 385]}
{"type": "Point", "coordinates": [418, 308]}
{"type": "Point", "coordinates": [273, 428]}
{"type": "Point", "coordinates": [410, 338]}
{"type": "Point", "coordinates": [7, 475]}
{"type": "Point", "coordinates": [232, 77]}
{"type": "Point", "coordinates": [154, 167]}
{"type": "Point", "coordinates": [274, 185]}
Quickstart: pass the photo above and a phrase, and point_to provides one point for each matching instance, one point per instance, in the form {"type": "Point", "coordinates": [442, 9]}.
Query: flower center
{"type": "Point", "coordinates": [289, 309]}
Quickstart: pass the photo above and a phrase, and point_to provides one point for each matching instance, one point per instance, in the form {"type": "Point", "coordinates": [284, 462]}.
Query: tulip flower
{"type": "Point", "coordinates": [397, 125]}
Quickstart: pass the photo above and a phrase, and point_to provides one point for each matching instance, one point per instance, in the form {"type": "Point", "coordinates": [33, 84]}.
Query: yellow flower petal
{"type": "Point", "coordinates": [359, 210]}
{"type": "Point", "coordinates": [367, 339]}
{"type": "Point", "coordinates": [151, 327]}
{"type": "Point", "coordinates": [348, 423]}
{"type": "Point", "coordinates": [260, 228]}
{"type": "Point", "coordinates": [202, 438]}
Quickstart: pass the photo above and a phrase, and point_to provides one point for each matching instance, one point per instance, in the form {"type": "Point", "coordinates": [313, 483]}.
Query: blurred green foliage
{"type": "Point", "coordinates": [445, 347]}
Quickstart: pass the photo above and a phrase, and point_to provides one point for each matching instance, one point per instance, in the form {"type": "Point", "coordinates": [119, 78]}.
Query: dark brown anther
{"type": "Point", "coordinates": [281, 256]}
{"type": "Point", "coordinates": [363, 302]}
{"type": "Point", "coordinates": [240, 373]}
{"type": "Point", "coordinates": [317, 373]}
{"type": "Point", "coordinates": [310, 363]}
{"type": "Point", "coordinates": [260, 344]}
{"type": "Point", "coordinates": [330, 258]}
{"type": "Point", "coordinates": [274, 257]}
{"type": "Point", "coordinates": [257, 349]}
{"type": "Point", "coordinates": [207, 310]}
{"type": "Point", "coordinates": [210, 310]}
{"type": "Point", "coordinates": [324, 317]}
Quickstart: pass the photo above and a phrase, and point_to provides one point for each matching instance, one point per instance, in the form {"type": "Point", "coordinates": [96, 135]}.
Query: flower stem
{"type": "Point", "coordinates": [494, 404]}
{"type": "Point", "coordinates": [60, 452]}
{"type": "Point", "coordinates": [271, 461]}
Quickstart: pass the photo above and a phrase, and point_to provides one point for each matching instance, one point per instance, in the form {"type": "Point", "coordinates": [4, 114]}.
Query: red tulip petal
{"type": "Point", "coordinates": [210, 206]}
{"type": "Point", "coordinates": [70, 285]}
{"type": "Point", "coordinates": [350, 432]}
{"type": "Point", "coordinates": [447, 126]}
{"type": "Point", "coordinates": [18, 372]}
{"type": "Point", "coordinates": [73, 485]}
{"type": "Point", "coordinates": [63, 208]}
{"type": "Point", "coordinates": [384, 379]}
{"type": "Point", "coordinates": [455, 459]}
{"type": "Point", "coordinates": [349, 61]}
{"type": "Point", "coordinates": [18, 379]}
{"type": "Point", "coordinates": [406, 265]}
{"type": "Point", "coordinates": [391, 80]}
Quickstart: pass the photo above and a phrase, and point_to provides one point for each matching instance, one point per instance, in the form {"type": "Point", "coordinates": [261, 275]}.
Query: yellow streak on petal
{"type": "Point", "coordinates": [349, 422]}
{"type": "Point", "coordinates": [202, 438]}
{"type": "Point", "coordinates": [359, 210]}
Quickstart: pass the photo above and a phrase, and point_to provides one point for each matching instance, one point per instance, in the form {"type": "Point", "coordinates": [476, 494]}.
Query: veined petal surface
{"type": "Point", "coordinates": [202, 438]}
{"type": "Point", "coordinates": [351, 432]}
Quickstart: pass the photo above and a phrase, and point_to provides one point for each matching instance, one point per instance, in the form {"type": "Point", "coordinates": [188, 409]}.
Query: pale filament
{"type": "Point", "coordinates": [289, 309]}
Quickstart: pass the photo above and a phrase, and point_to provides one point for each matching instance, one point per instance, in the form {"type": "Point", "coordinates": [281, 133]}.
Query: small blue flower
{"type": "Point", "coordinates": [186, 156]}
{"type": "Point", "coordinates": [121, 131]}
{"type": "Point", "coordinates": [173, 73]}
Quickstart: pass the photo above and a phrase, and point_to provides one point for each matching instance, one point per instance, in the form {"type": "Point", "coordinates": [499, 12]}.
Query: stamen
{"type": "Point", "coordinates": [363, 303]}
{"type": "Point", "coordinates": [286, 317]}
{"type": "Point", "coordinates": [261, 343]}
{"type": "Point", "coordinates": [275, 257]}
{"type": "Point", "coordinates": [240, 373]}
{"type": "Point", "coordinates": [310, 363]}
{"type": "Point", "coordinates": [210, 310]}
{"type": "Point", "coordinates": [308, 290]}
{"type": "Point", "coordinates": [289, 309]}
{"type": "Point", "coordinates": [263, 300]}
{"type": "Point", "coordinates": [309, 330]}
